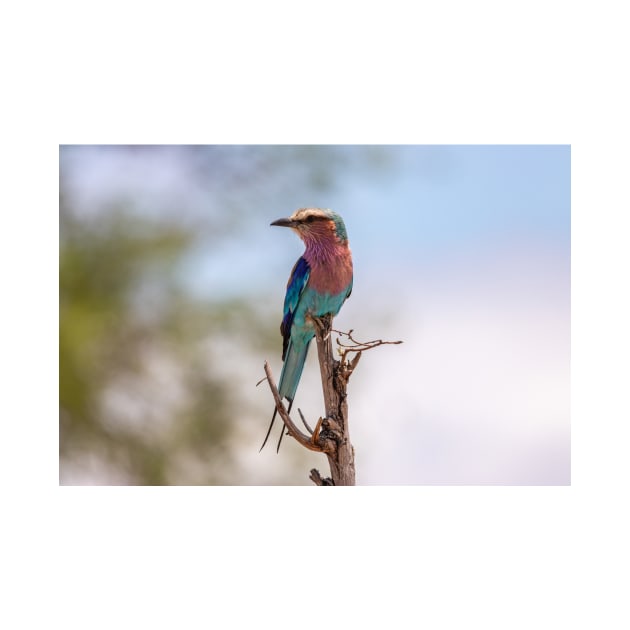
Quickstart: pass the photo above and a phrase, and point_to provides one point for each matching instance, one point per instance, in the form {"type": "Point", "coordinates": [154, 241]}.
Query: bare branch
{"type": "Point", "coordinates": [355, 361]}
{"type": "Point", "coordinates": [331, 435]}
{"type": "Point", "coordinates": [294, 432]}
{"type": "Point", "coordinates": [335, 423]}
{"type": "Point", "coordinates": [304, 422]}
{"type": "Point", "coordinates": [360, 346]}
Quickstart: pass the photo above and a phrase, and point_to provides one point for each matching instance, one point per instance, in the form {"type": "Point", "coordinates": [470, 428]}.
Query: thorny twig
{"type": "Point", "coordinates": [358, 347]}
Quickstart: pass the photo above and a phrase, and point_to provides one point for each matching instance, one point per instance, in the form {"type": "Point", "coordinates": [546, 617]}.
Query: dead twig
{"type": "Point", "coordinates": [321, 446]}
{"type": "Point", "coordinates": [359, 346]}
{"type": "Point", "coordinates": [331, 435]}
{"type": "Point", "coordinates": [318, 480]}
{"type": "Point", "coordinates": [304, 421]}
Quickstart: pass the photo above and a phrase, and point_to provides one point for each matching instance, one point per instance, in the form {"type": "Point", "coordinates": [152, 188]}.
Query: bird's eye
{"type": "Point", "coordinates": [310, 218]}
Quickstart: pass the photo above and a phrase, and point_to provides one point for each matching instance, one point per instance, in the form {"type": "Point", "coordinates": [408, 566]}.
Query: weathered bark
{"type": "Point", "coordinates": [334, 383]}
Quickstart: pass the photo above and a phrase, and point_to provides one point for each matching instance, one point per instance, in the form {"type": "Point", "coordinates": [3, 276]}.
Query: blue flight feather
{"type": "Point", "coordinates": [297, 281]}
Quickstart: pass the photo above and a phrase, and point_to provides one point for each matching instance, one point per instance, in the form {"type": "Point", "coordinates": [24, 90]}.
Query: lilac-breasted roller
{"type": "Point", "coordinates": [320, 282]}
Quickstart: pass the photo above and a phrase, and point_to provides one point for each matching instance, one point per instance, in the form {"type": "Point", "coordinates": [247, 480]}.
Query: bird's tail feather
{"type": "Point", "coordinates": [283, 430]}
{"type": "Point", "coordinates": [273, 419]}
{"type": "Point", "coordinates": [292, 369]}
{"type": "Point", "coordinates": [289, 380]}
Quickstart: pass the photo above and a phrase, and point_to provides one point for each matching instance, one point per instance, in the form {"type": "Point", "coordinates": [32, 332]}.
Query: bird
{"type": "Point", "coordinates": [320, 282]}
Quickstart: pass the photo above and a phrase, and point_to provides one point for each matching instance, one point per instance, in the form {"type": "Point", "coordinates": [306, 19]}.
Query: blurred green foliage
{"type": "Point", "coordinates": [105, 342]}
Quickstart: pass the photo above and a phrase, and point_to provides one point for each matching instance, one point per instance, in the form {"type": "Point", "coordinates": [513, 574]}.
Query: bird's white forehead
{"type": "Point", "coordinates": [304, 213]}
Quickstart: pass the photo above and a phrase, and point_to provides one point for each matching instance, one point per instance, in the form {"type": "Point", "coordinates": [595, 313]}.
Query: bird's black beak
{"type": "Point", "coordinates": [284, 223]}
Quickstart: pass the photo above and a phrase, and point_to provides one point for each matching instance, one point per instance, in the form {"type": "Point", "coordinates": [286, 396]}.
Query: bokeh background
{"type": "Point", "coordinates": [171, 291]}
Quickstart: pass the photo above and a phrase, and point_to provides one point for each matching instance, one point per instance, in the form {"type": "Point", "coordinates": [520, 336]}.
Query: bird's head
{"type": "Point", "coordinates": [316, 225]}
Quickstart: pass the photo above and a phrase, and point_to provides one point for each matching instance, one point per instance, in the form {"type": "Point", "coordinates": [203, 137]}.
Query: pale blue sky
{"type": "Point", "coordinates": [442, 197]}
{"type": "Point", "coordinates": [431, 206]}
{"type": "Point", "coordinates": [428, 206]}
